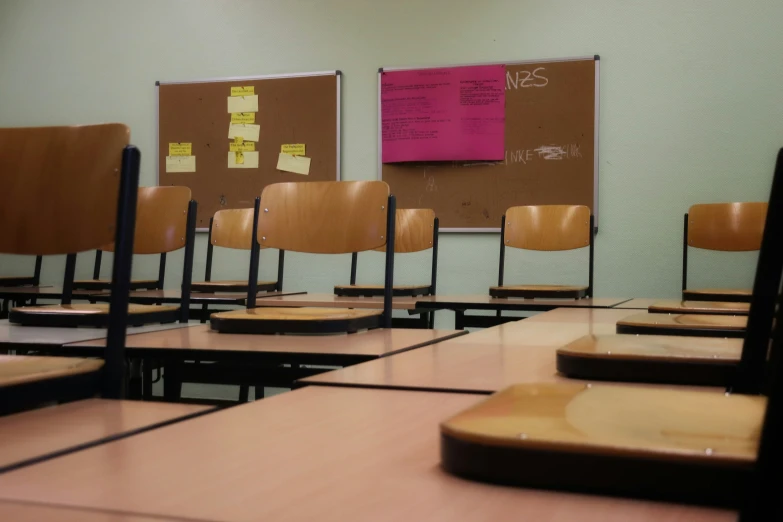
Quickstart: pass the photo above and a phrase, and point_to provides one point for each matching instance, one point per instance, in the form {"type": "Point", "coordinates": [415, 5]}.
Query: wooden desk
{"type": "Point", "coordinates": [199, 342]}
{"type": "Point", "coordinates": [36, 435]}
{"type": "Point", "coordinates": [254, 360]}
{"type": "Point", "coordinates": [482, 362]}
{"type": "Point", "coordinates": [462, 303]}
{"type": "Point", "coordinates": [16, 337]}
{"type": "Point", "coordinates": [337, 454]}
{"type": "Point", "coordinates": [638, 303]}
{"type": "Point", "coordinates": [20, 512]}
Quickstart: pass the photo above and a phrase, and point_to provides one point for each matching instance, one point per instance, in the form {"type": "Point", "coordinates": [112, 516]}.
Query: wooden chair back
{"type": "Point", "coordinates": [324, 217]}
{"type": "Point", "coordinates": [58, 187]}
{"type": "Point", "coordinates": [414, 229]}
{"type": "Point", "coordinates": [730, 227]}
{"type": "Point", "coordinates": [161, 220]}
{"type": "Point", "coordinates": [233, 228]}
{"type": "Point", "coordinates": [547, 227]}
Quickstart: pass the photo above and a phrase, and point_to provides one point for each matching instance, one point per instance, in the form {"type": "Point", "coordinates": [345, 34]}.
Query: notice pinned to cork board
{"type": "Point", "coordinates": [550, 153]}
{"type": "Point", "coordinates": [248, 121]}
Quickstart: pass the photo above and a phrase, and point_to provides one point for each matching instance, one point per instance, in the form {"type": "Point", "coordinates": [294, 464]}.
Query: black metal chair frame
{"type": "Point", "coordinates": [277, 286]}
{"type": "Point", "coordinates": [687, 296]}
{"type": "Point", "coordinates": [101, 320]}
{"type": "Point", "coordinates": [351, 325]}
{"type": "Point", "coordinates": [425, 319]}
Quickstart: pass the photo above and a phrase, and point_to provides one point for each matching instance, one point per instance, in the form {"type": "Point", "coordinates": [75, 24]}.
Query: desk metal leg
{"type": "Point", "coordinates": [146, 379]}
{"type": "Point", "coordinates": [459, 319]}
{"type": "Point", "coordinates": [172, 381]}
{"type": "Point", "coordinates": [135, 391]}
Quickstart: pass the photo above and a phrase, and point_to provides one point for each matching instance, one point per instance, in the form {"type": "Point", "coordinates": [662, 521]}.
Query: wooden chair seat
{"type": "Point", "coordinates": [295, 320]}
{"type": "Point", "coordinates": [700, 325]}
{"type": "Point", "coordinates": [89, 314]}
{"type": "Point", "coordinates": [741, 295]}
{"type": "Point", "coordinates": [703, 361]}
{"type": "Point", "coordinates": [231, 286]}
{"type": "Point", "coordinates": [27, 382]}
{"type": "Point", "coordinates": [677, 445]}
{"type": "Point", "coordinates": [542, 291]}
{"type": "Point", "coordinates": [700, 307]}
{"type": "Point", "coordinates": [105, 284]}
{"type": "Point", "coordinates": [377, 290]}
{"type": "Point", "coordinates": [16, 281]}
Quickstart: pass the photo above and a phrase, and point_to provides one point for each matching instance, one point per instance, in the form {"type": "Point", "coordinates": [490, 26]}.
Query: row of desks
{"type": "Point", "coordinates": [357, 443]}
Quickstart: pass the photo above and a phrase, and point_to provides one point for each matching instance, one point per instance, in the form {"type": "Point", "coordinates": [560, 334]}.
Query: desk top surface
{"type": "Point", "coordinates": [639, 303]}
{"type": "Point", "coordinates": [21, 512]}
{"type": "Point", "coordinates": [337, 454]}
{"type": "Point", "coordinates": [485, 361]}
{"type": "Point", "coordinates": [488, 302]}
{"type": "Point", "coordinates": [14, 334]}
{"type": "Point", "coordinates": [38, 433]}
{"type": "Point", "coordinates": [371, 343]}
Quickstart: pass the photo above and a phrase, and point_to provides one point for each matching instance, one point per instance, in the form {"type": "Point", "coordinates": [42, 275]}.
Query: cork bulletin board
{"type": "Point", "coordinates": [551, 151]}
{"type": "Point", "coordinates": [298, 114]}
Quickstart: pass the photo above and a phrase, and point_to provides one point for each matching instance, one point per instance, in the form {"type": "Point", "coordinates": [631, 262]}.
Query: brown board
{"type": "Point", "coordinates": [291, 110]}
{"type": "Point", "coordinates": [550, 158]}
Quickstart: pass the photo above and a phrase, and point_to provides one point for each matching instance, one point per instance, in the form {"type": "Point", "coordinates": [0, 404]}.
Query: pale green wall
{"type": "Point", "coordinates": [691, 103]}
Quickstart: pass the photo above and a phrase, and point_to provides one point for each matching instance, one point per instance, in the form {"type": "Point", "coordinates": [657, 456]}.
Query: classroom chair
{"type": "Point", "coordinates": [233, 228]}
{"type": "Point", "coordinates": [546, 228]}
{"type": "Point", "coordinates": [99, 285]}
{"type": "Point", "coordinates": [318, 217]}
{"type": "Point", "coordinates": [725, 227]}
{"type": "Point", "coordinates": [416, 230]}
{"type": "Point", "coordinates": [65, 190]}
{"type": "Point", "coordinates": [34, 280]}
{"type": "Point", "coordinates": [667, 444]}
{"type": "Point", "coordinates": [165, 221]}
{"type": "Point", "coordinates": [677, 359]}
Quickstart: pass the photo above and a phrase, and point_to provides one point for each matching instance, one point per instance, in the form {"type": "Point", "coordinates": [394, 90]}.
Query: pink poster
{"type": "Point", "coordinates": [454, 113]}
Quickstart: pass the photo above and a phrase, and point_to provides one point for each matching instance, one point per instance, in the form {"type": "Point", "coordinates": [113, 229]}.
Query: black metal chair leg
{"type": "Point", "coordinates": [259, 391]}
{"type": "Point", "coordinates": [244, 393]}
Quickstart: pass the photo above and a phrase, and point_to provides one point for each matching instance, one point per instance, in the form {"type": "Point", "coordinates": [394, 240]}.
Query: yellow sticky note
{"type": "Point", "coordinates": [245, 131]}
{"type": "Point", "coordinates": [243, 117]}
{"type": "Point", "coordinates": [248, 146]}
{"type": "Point", "coordinates": [180, 149]}
{"type": "Point", "coordinates": [295, 164]}
{"type": "Point", "coordinates": [243, 104]}
{"type": "Point", "coordinates": [249, 160]}
{"type": "Point", "coordinates": [243, 91]}
{"type": "Point", "coordinates": [294, 149]}
{"type": "Point", "coordinates": [239, 140]}
{"type": "Point", "coordinates": [180, 163]}
{"type": "Point", "coordinates": [239, 158]}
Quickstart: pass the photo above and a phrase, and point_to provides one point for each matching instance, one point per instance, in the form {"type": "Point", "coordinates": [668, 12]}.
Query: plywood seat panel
{"type": "Point", "coordinates": [533, 291]}
{"type": "Point", "coordinates": [700, 307]}
{"type": "Point", "coordinates": [231, 286]}
{"type": "Point", "coordinates": [377, 290]}
{"type": "Point", "coordinates": [295, 320]}
{"type": "Point", "coordinates": [684, 324]}
{"type": "Point", "coordinates": [543, 435]}
{"type": "Point", "coordinates": [718, 294]}
{"type": "Point", "coordinates": [20, 369]}
{"type": "Point", "coordinates": [89, 314]}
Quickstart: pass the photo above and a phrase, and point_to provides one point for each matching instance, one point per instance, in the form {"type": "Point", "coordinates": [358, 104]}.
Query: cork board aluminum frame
{"type": "Point", "coordinates": [336, 73]}
{"type": "Point", "coordinates": [519, 62]}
